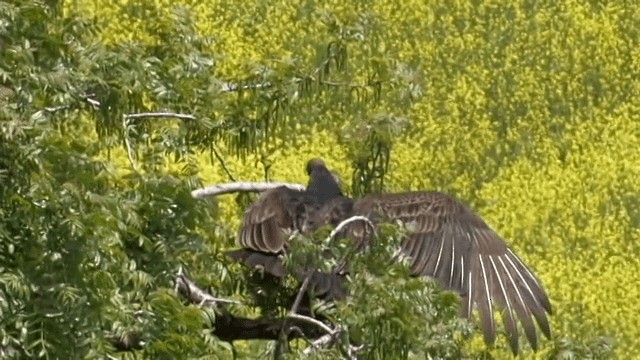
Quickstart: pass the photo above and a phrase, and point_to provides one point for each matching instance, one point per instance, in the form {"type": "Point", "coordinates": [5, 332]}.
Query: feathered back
{"type": "Point", "coordinates": [323, 185]}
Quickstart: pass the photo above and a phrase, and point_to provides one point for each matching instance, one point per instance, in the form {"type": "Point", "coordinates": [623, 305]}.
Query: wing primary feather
{"type": "Point", "coordinates": [462, 270]}
{"type": "Point", "coordinates": [542, 296]}
{"type": "Point", "coordinates": [418, 254]}
{"type": "Point", "coordinates": [257, 239]}
{"type": "Point", "coordinates": [516, 268]}
{"type": "Point", "coordinates": [470, 295]}
{"type": "Point", "coordinates": [428, 256]}
{"type": "Point", "coordinates": [508, 312]}
{"type": "Point", "coordinates": [521, 309]}
{"type": "Point", "coordinates": [537, 307]}
{"type": "Point", "coordinates": [487, 314]}
{"type": "Point", "coordinates": [453, 261]}
{"type": "Point", "coordinates": [435, 270]}
{"type": "Point", "coordinates": [270, 235]}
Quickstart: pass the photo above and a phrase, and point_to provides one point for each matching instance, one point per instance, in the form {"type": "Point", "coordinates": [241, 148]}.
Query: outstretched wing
{"type": "Point", "coordinates": [455, 246]}
{"type": "Point", "coordinates": [270, 219]}
{"type": "Point", "coordinates": [266, 227]}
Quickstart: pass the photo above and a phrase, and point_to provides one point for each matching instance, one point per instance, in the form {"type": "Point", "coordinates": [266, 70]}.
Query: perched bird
{"type": "Point", "coordinates": [277, 214]}
{"type": "Point", "coordinates": [447, 241]}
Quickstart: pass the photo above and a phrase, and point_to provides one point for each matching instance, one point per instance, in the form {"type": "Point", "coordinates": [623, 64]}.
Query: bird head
{"type": "Point", "coordinates": [315, 164]}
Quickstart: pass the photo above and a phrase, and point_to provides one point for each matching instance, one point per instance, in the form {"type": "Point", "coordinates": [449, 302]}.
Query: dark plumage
{"type": "Point", "coordinates": [277, 214]}
{"type": "Point", "coordinates": [447, 242]}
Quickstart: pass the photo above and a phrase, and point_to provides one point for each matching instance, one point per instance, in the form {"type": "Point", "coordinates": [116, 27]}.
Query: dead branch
{"type": "Point", "coordinates": [187, 288]}
{"type": "Point", "coordinates": [348, 221]}
{"type": "Point", "coordinates": [160, 115]}
{"type": "Point", "coordinates": [242, 186]}
{"type": "Point", "coordinates": [230, 87]}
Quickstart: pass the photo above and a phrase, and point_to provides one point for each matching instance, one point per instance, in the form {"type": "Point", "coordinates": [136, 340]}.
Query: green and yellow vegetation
{"type": "Point", "coordinates": [527, 110]}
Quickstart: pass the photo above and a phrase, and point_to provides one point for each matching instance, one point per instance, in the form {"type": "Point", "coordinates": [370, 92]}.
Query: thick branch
{"type": "Point", "coordinates": [228, 188]}
{"type": "Point", "coordinates": [229, 327]}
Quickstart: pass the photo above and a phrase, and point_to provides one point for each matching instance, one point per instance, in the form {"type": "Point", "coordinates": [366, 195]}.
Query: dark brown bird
{"type": "Point", "coordinates": [447, 242]}
{"type": "Point", "coordinates": [277, 214]}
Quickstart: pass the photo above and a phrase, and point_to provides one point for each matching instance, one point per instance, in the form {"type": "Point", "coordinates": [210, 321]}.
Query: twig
{"type": "Point", "coordinates": [303, 289]}
{"type": "Point", "coordinates": [216, 152]}
{"type": "Point", "coordinates": [196, 295]}
{"type": "Point", "coordinates": [350, 86]}
{"type": "Point", "coordinates": [340, 267]}
{"type": "Point", "coordinates": [324, 340]}
{"type": "Point", "coordinates": [244, 186]}
{"type": "Point", "coordinates": [53, 109]}
{"type": "Point", "coordinates": [92, 101]}
{"type": "Point", "coordinates": [327, 340]}
{"type": "Point", "coordinates": [348, 221]}
{"type": "Point", "coordinates": [229, 87]}
{"type": "Point", "coordinates": [127, 126]}
{"type": "Point", "coordinates": [313, 321]}
{"type": "Point", "coordinates": [160, 115]}
{"type": "Point", "coordinates": [296, 302]}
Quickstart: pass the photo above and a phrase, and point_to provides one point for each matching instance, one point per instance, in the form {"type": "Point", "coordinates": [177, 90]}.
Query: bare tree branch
{"type": "Point", "coordinates": [348, 221]}
{"type": "Point", "coordinates": [324, 340]}
{"type": "Point", "coordinates": [87, 98]}
{"type": "Point", "coordinates": [131, 153]}
{"type": "Point", "coordinates": [312, 321]}
{"type": "Point", "coordinates": [244, 186]}
{"type": "Point", "coordinates": [303, 289]}
{"type": "Point", "coordinates": [187, 288]}
{"type": "Point", "coordinates": [350, 86]}
{"type": "Point", "coordinates": [52, 109]}
{"type": "Point", "coordinates": [161, 115]}
{"type": "Point", "coordinates": [92, 101]}
{"type": "Point", "coordinates": [229, 327]}
{"type": "Point", "coordinates": [329, 340]}
{"type": "Point", "coordinates": [230, 87]}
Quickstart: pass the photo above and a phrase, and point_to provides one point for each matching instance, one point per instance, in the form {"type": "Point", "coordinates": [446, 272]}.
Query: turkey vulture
{"type": "Point", "coordinates": [447, 242]}
{"type": "Point", "coordinates": [277, 214]}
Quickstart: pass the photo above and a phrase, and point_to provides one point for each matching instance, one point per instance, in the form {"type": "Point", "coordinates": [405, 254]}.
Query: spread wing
{"type": "Point", "coordinates": [270, 219]}
{"type": "Point", "coordinates": [266, 227]}
{"type": "Point", "coordinates": [455, 246]}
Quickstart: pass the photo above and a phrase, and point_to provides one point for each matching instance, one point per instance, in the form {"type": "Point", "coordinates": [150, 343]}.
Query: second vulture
{"type": "Point", "coordinates": [448, 242]}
